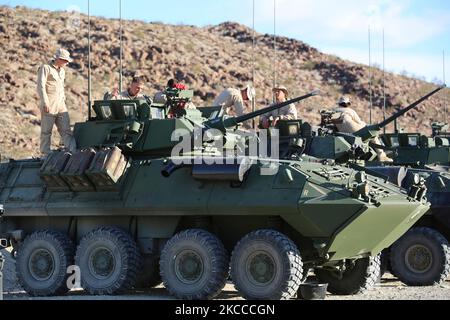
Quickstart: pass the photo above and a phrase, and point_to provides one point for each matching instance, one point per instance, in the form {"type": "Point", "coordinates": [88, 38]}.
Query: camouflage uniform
{"type": "Point", "coordinates": [50, 87]}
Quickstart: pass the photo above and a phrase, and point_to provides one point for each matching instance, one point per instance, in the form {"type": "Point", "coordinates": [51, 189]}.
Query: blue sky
{"type": "Point", "coordinates": [416, 31]}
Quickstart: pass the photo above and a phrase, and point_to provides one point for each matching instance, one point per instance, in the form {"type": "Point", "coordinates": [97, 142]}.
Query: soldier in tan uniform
{"type": "Point", "coordinates": [235, 98]}
{"type": "Point", "coordinates": [133, 92]}
{"type": "Point", "coordinates": [50, 87]}
{"type": "Point", "coordinates": [286, 113]}
{"type": "Point", "coordinates": [348, 121]}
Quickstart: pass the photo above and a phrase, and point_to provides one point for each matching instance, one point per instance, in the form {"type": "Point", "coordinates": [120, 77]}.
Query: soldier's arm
{"type": "Point", "coordinates": [41, 82]}
{"type": "Point", "coordinates": [64, 84]}
{"type": "Point", "coordinates": [357, 119]}
{"type": "Point", "coordinates": [238, 106]}
{"type": "Point", "coordinates": [114, 95]}
{"type": "Point", "coordinates": [291, 114]}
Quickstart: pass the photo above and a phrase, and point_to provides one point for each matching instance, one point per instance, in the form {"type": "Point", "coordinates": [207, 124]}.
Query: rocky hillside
{"type": "Point", "coordinates": [206, 59]}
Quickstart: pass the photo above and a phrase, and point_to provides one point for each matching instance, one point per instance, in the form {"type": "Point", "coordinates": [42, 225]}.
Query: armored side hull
{"type": "Point", "coordinates": [318, 212]}
{"type": "Point", "coordinates": [417, 150]}
{"type": "Point", "coordinates": [438, 191]}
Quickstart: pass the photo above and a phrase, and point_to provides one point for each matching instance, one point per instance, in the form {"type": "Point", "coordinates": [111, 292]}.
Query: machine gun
{"type": "Point", "coordinates": [440, 129]}
{"type": "Point", "coordinates": [177, 101]}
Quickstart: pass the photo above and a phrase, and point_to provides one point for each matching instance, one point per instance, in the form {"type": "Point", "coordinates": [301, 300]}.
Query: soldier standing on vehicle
{"type": "Point", "coordinates": [348, 121]}
{"type": "Point", "coordinates": [235, 98]}
{"type": "Point", "coordinates": [50, 87]}
{"type": "Point", "coordinates": [287, 113]}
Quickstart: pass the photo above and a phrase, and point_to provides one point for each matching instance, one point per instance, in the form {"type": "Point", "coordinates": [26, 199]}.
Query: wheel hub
{"type": "Point", "coordinates": [260, 268]}
{"type": "Point", "coordinates": [41, 265]}
{"type": "Point", "coordinates": [101, 263]}
{"type": "Point", "coordinates": [419, 259]}
{"type": "Point", "coordinates": [188, 266]}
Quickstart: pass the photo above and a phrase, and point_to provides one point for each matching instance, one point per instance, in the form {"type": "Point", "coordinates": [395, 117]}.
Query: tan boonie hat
{"type": "Point", "coordinates": [63, 55]}
{"type": "Point", "coordinates": [344, 100]}
{"type": "Point", "coordinates": [281, 88]}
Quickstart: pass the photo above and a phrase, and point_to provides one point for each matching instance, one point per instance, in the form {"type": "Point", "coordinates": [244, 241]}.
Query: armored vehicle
{"type": "Point", "coordinates": [440, 129]}
{"type": "Point", "coordinates": [418, 150]}
{"type": "Point", "coordinates": [422, 256]}
{"type": "Point", "coordinates": [124, 210]}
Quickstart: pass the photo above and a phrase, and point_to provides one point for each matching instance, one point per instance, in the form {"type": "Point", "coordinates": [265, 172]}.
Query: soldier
{"type": "Point", "coordinates": [160, 97]}
{"type": "Point", "coordinates": [287, 113]}
{"type": "Point", "coordinates": [132, 93]}
{"type": "Point", "coordinates": [348, 121]}
{"type": "Point", "coordinates": [50, 87]}
{"type": "Point", "coordinates": [235, 98]}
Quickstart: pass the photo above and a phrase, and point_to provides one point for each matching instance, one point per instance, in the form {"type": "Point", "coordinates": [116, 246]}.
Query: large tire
{"type": "Point", "coordinates": [384, 263]}
{"type": "Point", "coordinates": [194, 265]}
{"type": "Point", "coordinates": [109, 261]}
{"type": "Point", "coordinates": [266, 265]}
{"type": "Point", "coordinates": [421, 257]}
{"type": "Point", "coordinates": [42, 262]}
{"type": "Point", "coordinates": [358, 277]}
{"type": "Point", "coordinates": [149, 276]}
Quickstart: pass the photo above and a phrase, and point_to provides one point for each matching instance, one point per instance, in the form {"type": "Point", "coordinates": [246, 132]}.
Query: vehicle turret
{"type": "Point", "coordinates": [145, 128]}
{"type": "Point", "coordinates": [372, 131]}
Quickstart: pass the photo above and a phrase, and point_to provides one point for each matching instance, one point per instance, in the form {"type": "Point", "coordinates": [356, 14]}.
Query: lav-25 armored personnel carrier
{"type": "Point", "coordinates": [122, 202]}
{"type": "Point", "coordinates": [422, 256]}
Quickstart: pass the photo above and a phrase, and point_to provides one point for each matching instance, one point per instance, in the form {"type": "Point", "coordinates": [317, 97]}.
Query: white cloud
{"type": "Point", "coordinates": [427, 65]}
{"type": "Point", "coordinates": [348, 20]}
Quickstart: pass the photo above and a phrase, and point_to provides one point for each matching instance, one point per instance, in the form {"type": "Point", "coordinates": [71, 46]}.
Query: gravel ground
{"type": "Point", "coordinates": [389, 289]}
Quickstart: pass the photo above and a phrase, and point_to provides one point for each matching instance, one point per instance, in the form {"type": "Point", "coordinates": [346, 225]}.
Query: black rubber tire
{"type": "Point", "coordinates": [149, 276]}
{"type": "Point", "coordinates": [124, 254]}
{"type": "Point", "coordinates": [384, 263]}
{"type": "Point", "coordinates": [358, 279]}
{"type": "Point", "coordinates": [286, 261]}
{"type": "Point", "coordinates": [435, 244]}
{"type": "Point", "coordinates": [208, 250]}
{"type": "Point", "coordinates": [55, 245]}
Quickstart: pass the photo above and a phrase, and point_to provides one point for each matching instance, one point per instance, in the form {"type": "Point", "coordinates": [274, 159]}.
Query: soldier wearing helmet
{"type": "Point", "coordinates": [348, 121]}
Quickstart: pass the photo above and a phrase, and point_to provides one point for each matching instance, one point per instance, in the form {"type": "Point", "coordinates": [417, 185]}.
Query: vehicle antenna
{"type": "Point", "coordinates": [384, 85]}
{"type": "Point", "coordinates": [89, 62]}
{"type": "Point", "coordinates": [443, 76]}
{"type": "Point", "coordinates": [121, 46]}
{"type": "Point", "coordinates": [274, 46]}
{"type": "Point", "coordinates": [370, 77]}
{"type": "Point", "coordinates": [253, 65]}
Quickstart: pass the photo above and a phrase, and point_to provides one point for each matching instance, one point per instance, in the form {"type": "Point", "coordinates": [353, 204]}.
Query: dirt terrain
{"type": "Point", "coordinates": [389, 289]}
{"type": "Point", "coordinates": [207, 59]}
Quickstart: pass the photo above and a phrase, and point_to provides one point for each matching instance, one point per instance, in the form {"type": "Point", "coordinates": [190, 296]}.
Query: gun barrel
{"type": "Point", "coordinates": [277, 106]}
{"type": "Point", "coordinates": [222, 124]}
{"type": "Point", "coordinates": [412, 106]}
